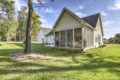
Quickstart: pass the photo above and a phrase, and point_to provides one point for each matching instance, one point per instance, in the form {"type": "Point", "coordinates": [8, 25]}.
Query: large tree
{"type": "Point", "coordinates": [35, 25]}
{"type": "Point", "coordinates": [3, 29]}
{"type": "Point", "coordinates": [7, 7]}
{"type": "Point", "coordinates": [29, 25]}
{"type": "Point", "coordinates": [22, 19]}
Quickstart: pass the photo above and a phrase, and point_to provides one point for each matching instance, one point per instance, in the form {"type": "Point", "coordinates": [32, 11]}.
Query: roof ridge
{"type": "Point", "coordinates": [73, 14]}
{"type": "Point", "coordinates": [44, 28]}
{"type": "Point", "coordinates": [82, 17]}
{"type": "Point", "coordinates": [92, 15]}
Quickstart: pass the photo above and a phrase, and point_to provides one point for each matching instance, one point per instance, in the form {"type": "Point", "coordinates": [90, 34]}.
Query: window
{"type": "Point", "coordinates": [98, 38]}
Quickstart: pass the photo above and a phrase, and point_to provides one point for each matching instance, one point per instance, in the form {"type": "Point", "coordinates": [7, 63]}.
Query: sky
{"type": "Point", "coordinates": [109, 9]}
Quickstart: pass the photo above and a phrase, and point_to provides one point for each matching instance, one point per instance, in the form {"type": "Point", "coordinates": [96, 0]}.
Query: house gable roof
{"type": "Point", "coordinates": [45, 30]}
{"type": "Point", "coordinates": [101, 25]}
{"type": "Point", "coordinates": [74, 15]}
{"type": "Point", "coordinates": [91, 20]}
{"type": "Point", "coordinates": [50, 33]}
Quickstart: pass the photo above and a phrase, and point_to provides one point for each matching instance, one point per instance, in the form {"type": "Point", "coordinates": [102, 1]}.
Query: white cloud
{"type": "Point", "coordinates": [81, 7]}
{"type": "Point", "coordinates": [110, 32]}
{"type": "Point", "coordinates": [106, 23]}
{"type": "Point", "coordinates": [103, 13]}
{"type": "Point", "coordinates": [108, 36]}
{"type": "Point", "coordinates": [46, 25]}
{"type": "Point", "coordinates": [48, 10]}
{"type": "Point", "coordinates": [36, 1]}
{"type": "Point", "coordinates": [107, 30]}
{"type": "Point", "coordinates": [80, 14]}
{"type": "Point", "coordinates": [42, 20]}
{"type": "Point", "coordinates": [116, 5]}
{"type": "Point", "coordinates": [18, 4]}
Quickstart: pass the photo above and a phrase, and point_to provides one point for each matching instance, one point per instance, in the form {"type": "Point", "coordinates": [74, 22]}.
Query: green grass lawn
{"type": "Point", "coordinates": [97, 64]}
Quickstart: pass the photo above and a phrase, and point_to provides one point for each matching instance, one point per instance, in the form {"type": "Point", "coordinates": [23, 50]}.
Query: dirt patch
{"type": "Point", "coordinates": [22, 57]}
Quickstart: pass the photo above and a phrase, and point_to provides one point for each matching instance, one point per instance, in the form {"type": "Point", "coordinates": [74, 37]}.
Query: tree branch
{"type": "Point", "coordinates": [40, 6]}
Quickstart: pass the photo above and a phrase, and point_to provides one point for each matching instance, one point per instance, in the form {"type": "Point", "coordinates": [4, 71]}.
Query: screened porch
{"type": "Point", "coordinates": [78, 38]}
{"type": "Point", "coordinates": [71, 38]}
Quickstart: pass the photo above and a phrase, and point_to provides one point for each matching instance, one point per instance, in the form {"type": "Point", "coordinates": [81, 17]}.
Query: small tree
{"type": "Point", "coordinates": [111, 40]}
{"type": "Point", "coordinates": [117, 38]}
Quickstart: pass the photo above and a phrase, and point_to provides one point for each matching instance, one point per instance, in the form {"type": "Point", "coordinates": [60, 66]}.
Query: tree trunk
{"type": "Point", "coordinates": [8, 33]}
{"type": "Point", "coordinates": [29, 26]}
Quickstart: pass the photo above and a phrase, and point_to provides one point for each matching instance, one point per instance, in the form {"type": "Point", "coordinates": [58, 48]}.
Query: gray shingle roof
{"type": "Point", "coordinates": [50, 33]}
{"type": "Point", "coordinates": [45, 30]}
{"type": "Point", "coordinates": [92, 19]}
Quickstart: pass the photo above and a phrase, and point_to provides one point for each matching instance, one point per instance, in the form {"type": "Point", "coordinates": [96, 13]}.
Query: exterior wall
{"type": "Point", "coordinates": [98, 33]}
{"type": "Point", "coordinates": [88, 38]}
{"type": "Point", "coordinates": [73, 38]}
{"type": "Point", "coordinates": [40, 37]}
{"type": "Point", "coordinates": [67, 22]}
{"type": "Point", "coordinates": [50, 40]}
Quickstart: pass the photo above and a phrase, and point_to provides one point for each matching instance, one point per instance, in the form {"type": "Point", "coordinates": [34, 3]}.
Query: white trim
{"type": "Point", "coordinates": [65, 38]}
{"type": "Point", "coordinates": [82, 36]}
{"type": "Point", "coordinates": [73, 38]}
{"type": "Point", "coordinates": [59, 39]}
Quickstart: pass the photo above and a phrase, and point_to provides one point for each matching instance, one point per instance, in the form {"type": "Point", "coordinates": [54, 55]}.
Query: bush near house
{"type": "Point", "coordinates": [102, 46]}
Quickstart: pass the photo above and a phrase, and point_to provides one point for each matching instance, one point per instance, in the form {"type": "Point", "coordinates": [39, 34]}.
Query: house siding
{"type": "Point", "coordinates": [67, 22]}
{"type": "Point", "coordinates": [40, 37]}
{"type": "Point", "coordinates": [88, 38]}
{"type": "Point", "coordinates": [97, 33]}
{"type": "Point", "coordinates": [50, 40]}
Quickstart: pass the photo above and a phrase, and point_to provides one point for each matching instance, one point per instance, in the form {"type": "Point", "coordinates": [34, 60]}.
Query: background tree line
{"type": "Point", "coordinates": [115, 39]}
{"type": "Point", "coordinates": [13, 24]}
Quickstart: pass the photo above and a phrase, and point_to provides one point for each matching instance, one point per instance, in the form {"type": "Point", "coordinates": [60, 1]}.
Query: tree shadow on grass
{"type": "Point", "coordinates": [87, 62]}
{"type": "Point", "coordinates": [93, 64]}
{"type": "Point", "coordinates": [49, 51]}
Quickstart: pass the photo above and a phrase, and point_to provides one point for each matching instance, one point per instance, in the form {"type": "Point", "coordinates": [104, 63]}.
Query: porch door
{"type": "Point", "coordinates": [57, 39]}
{"type": "Point", "coordinates": [62, 37]}
{"type": "Point", "coordinates": [70, 38]}
{"type": "Point", "coordinates": [43, 40]}
{"type": "Point", "coordinates": [77, 38]}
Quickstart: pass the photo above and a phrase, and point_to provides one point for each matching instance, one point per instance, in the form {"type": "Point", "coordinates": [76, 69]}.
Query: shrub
{"type": "Point", "coordinates": [105, 43]}
{"type": "Point", "coordinates": [102, 46]}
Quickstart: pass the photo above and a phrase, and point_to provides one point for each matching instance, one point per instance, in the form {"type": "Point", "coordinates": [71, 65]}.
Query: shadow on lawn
{"type": "Point", "coordinates": [92, 65]}
{"type": "Point", "coordinates": [50, 51]}
{"type": "Point", "coordinates": [94, 62]}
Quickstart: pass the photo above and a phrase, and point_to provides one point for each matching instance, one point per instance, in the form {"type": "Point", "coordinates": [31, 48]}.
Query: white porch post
{"type": "Point", "coordinates": [59, 38]}
{"type": "Point", "coordinates": [82, 38]}
{"type": "Point", "coordinates": [66, 38]}
{"type": "Point", "coordinates": [73, 38]}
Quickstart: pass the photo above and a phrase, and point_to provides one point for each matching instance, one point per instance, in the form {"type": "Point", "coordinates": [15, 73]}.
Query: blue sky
{"type": "Point", "coordinates": [109, 9]}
